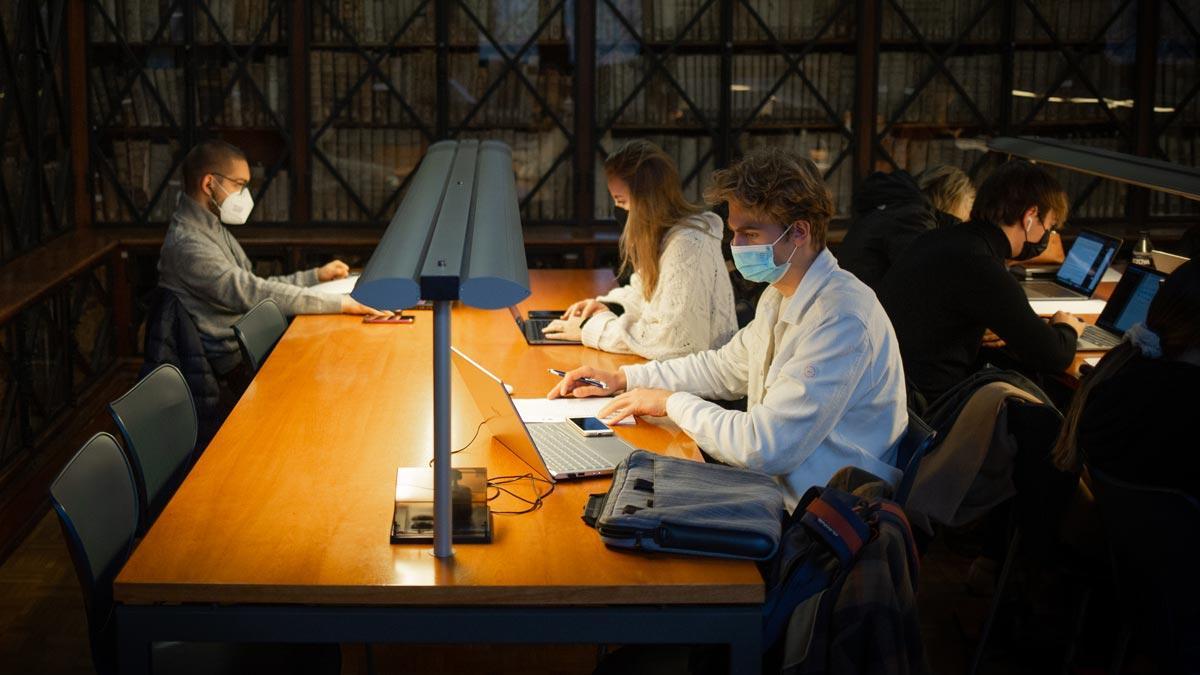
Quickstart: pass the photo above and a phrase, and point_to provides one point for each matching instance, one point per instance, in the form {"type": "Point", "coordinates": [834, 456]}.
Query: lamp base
{"type": "Point", "coordinates": [412, 519]}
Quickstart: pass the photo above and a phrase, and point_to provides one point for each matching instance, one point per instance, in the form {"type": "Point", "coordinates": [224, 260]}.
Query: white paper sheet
{"type": "Point", "coordinates": [337, 286]}
{"type": "Point", "coordinates": [1076, 307]}
{"type": "Point", "coordinates": [559, 409]}
{"type": "Point", "coordinates": [1092, 360]}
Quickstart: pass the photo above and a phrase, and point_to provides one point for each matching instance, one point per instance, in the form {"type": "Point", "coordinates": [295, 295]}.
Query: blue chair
{"type": "Point", "coordinates": [258, 331]}
{"type": "Point", "coordinates": [1154, 542]}
{"type": "Point", "coordinates": [96, 502]}
{"type": "Point", "coordinates": [918, 439]}
{"type": "Point", "coordinates": [158, 422]}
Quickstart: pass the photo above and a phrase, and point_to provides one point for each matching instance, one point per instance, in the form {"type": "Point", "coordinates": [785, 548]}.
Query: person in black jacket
{"type": "Point", "coordinates": [950, 193]}
{"type": "Point", "coordinates": [889, 213]}
{"type": "Point", "coordinates": [1134, 415]}
{"type": "Point", "coordinates": [1189, 243]}
{"type": "Point", "coordinates": [951, 285]}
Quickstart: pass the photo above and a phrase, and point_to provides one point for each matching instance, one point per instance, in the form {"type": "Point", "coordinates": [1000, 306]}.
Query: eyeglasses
{"type": "Point", "coordinates": [241, 184]}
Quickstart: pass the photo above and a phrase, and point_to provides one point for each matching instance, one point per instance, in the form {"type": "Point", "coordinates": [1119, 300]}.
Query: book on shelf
{"type": "Point", "coordinates": [789, 21]}
{"type": "Point", "coordinates": [142, 172]}
{"type": "Point", "coordinates": [141, 21]}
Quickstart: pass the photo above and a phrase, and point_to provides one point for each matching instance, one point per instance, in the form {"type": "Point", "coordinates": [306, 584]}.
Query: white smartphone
{"type": "Point", "coordinates": [590, 426]}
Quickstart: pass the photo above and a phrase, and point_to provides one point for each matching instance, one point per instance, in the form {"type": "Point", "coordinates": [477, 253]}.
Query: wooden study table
{"type": "Point", "coordinates": [280, 531]}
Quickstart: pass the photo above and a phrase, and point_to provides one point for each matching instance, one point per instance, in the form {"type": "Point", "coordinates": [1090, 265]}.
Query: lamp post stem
{"type": "Point", "coordinates": [443, 525]}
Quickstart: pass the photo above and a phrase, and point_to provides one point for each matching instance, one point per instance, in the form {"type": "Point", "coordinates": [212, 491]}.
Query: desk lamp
{"type": "Point", "coordinates": [455, 236]}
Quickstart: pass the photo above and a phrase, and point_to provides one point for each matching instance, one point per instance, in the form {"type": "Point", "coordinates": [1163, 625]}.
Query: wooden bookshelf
{"type": "Point", "coordinates": [336, 100]}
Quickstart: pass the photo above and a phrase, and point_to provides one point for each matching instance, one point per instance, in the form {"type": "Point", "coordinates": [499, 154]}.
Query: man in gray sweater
{"type": "Point", "coordinates": [207, 269]}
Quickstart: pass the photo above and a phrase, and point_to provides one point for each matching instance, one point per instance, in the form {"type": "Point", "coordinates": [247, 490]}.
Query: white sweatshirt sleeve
{"type": "Point", "coordinates": [680, 317]}
{"type": "Point", "coordinates": [629, 296]}
{"type": "Point", "coordinates": [801, 409]}
{"type": "Point", "coordinates": [715, 373]}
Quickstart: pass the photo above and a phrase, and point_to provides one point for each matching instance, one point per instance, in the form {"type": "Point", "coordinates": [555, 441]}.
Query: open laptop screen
{"type": "Point", "coordinates": [1086, 261]}
{"type": "Point", "coordinates": [1130, 301]}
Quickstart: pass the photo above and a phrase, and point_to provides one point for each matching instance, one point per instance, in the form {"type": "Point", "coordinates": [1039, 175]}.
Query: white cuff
{"type": "Point", "coordinates": [591, 331]}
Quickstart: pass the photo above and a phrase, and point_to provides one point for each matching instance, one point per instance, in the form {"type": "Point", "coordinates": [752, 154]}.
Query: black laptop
{"type": "Point", "coordinates": [1128, 305]}
{"type": "Point", "coordinates": [533, 325]}
{"type": "Point", "coordinates": [1080, 273]}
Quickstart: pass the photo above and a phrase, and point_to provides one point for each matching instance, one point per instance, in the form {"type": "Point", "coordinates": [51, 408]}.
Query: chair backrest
{"type": "Point", "coordinates": [158, 420]}
{"type": "Point", "coordinates": [258, 331]}
{"type": "Point", "coordinates": [1154, 540]}
{"type": "Point", "coordinates": [97, 506]}
{"type": "Point", "coordinates": [918, 438]}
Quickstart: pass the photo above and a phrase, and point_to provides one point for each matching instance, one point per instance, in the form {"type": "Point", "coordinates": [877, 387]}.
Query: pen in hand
{"type": "Point", "coordinates": [585, 380]}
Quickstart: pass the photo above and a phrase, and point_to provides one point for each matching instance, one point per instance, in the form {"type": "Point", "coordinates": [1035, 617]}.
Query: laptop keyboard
{"type": "Point", "coordinates": [534, 327]}
{"type": "Point", "coordinates": [1046, 289]}
{"type": "Point", "coordinates": [1100, 338]}
{"type": "Point", "coordinates": [564, 450]}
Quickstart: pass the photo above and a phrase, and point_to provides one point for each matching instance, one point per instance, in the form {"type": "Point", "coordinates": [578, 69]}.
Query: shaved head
{"type": "Point", "coordinates": [209, 157]}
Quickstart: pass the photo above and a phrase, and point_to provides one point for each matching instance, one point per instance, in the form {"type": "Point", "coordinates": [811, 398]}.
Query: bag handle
{"type": "Point", "coordinates": [892, 513]}
{"type": "Point", "coordinates": [594, 508]}
{"type": "Point", "coordinates": [833, 519]}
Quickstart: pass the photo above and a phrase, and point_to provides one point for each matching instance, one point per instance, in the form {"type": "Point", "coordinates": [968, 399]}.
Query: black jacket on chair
{"type": "Point", "coordinates": [171, 337]}
{"type": "Point", "coordinates": [889, 213]}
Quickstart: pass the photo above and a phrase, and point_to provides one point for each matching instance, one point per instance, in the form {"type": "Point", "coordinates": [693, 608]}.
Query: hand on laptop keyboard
{"type": "Point", "coordinates": [564, 329]}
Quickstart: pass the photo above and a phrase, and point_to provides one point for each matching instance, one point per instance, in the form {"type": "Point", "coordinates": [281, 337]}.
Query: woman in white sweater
{"type": "Point", "coordinates": [679, 300]}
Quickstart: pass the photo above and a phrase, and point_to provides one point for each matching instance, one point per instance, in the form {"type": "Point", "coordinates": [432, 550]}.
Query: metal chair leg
{"type": "Point", "coordinates": [997, 598]}
{"type": "Point", "coordinates": [1077, 628]}
{"type": "Point", "coordinates": [1118, 659]}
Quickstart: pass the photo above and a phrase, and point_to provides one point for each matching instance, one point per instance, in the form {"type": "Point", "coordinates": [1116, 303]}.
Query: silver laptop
{"type": "Point", "coordinates": [552, 449]}
{"type": "Point", "coordinates": [1166, 262]}
{"type": "Point", "coordinates": [1080, 273]}
{"type": "Point", "coordinates": [1128, 305]}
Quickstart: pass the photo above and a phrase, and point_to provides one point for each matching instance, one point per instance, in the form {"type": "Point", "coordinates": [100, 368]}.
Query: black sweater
{"type": "Point", "coordinates": [889, 213]}
{"type": "Point", "coordinates": [1140, 424]}
{"type": "Point", "coordinates": [947, 288]}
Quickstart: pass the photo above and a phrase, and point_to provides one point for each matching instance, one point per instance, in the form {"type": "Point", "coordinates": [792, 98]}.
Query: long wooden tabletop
{"type": "Point", "coordinates": [292, 501]}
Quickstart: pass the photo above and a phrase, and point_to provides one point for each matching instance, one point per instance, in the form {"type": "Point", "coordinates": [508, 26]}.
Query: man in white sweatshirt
{"type": "Point", "coordinates": [819, 364]}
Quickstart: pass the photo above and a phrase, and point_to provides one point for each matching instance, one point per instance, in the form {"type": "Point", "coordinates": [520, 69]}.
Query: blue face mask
{"type": "Point", "coordinates": [757, 262]}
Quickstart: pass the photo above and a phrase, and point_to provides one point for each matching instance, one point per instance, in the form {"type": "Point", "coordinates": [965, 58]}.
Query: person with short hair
{"type": "Point", "coordinates": [204, 265]}
{"type": "Point", "coordinates": [678, 300]}
{"type": "Point", "coordinates": [951, 285]}
{"type": "Point", "coordinates": [819, 364]}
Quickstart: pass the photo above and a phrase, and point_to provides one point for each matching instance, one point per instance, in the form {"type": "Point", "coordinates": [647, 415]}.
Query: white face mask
{"type": "Point", "coordinates": [236, 208]}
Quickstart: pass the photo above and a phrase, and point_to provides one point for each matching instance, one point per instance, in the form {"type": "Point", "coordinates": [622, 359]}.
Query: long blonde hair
{"type": "Point", "coordinates": [656, 204]}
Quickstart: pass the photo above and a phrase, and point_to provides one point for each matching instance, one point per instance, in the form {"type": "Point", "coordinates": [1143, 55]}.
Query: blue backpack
{"type": "Point", "coordinates": [820, 543]}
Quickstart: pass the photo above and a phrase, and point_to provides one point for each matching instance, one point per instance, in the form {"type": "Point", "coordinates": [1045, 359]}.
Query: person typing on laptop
{"type": "Point", "coordinates": [819, 363]}
{"type": "Point", "coordinates": [679, 299]}
{"type": "Point", "coordinates": [951, 285]}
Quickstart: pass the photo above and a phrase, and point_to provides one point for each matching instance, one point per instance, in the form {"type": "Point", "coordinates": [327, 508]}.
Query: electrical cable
{"type": "Point", "coordinates": [498, 484]}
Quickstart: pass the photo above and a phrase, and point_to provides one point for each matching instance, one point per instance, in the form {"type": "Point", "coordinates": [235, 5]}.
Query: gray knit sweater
{"type": "Point", "coordinates": [206, 267]}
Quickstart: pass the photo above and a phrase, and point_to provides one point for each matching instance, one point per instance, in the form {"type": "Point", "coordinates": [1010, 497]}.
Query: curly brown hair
{"type": "Point", "coordinates": [779, 186]}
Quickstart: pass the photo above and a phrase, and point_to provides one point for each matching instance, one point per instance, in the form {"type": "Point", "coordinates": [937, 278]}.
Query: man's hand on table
{"type": "Point", "coordinates": [333, 270]}
{"type": "Point", "coordinates": [570, 384]}
{"type": "Point", "coordinates": [652, 402]}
